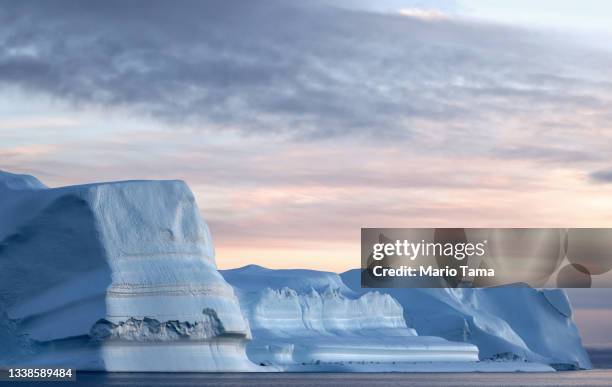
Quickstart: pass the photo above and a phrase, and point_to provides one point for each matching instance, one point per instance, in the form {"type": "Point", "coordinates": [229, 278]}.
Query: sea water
{"type": "Point", "coordinates": [600, 376]}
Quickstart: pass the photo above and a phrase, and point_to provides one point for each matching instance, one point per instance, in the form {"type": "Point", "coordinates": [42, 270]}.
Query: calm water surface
{"type": "Point", "coordinates": [601, 376]}
{"type": "Point", "coordinates": [580, 378]}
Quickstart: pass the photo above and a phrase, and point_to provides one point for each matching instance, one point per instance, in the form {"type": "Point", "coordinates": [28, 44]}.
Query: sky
{"type": "Point", "coordinates": [298, 123]}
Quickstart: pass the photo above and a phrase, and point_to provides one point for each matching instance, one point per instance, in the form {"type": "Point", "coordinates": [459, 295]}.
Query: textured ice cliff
{"type": "Point", "coordinates": [113, 276]}
{"type": "Point", "coordinates": [509, 322]}
{"type": "Point", "coordinates": [309, 318]}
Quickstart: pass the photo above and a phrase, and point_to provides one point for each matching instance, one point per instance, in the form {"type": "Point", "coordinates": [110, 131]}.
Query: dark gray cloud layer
{"type": "Point", "coordinates": [308, 71]}
{"type": "Point", "coordinates": [602, 176]}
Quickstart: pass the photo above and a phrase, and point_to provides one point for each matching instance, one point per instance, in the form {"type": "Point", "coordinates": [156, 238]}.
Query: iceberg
{"type": "Point", "coordinates": [113, 276]}
{"type": "Point", "coordinates": [326, 321]}
{"type": "Point", "coordinates": [121, 276]}
{"type": "Point", "coordinates": [511, 322]}
{"type": "Point", "coordinates": [306, 320]}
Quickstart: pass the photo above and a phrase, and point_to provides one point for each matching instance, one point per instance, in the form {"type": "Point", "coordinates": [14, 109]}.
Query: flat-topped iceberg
{"type": "Point", "coordinates": [113, 276]}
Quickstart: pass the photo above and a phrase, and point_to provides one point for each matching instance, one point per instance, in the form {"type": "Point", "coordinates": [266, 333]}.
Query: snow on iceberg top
{"type": "Point", "coordinates": [19, 182]}
{"type": "Point", "coordinates": [134, 217]}
{"type": "Point", "coordinates": [254, 277]}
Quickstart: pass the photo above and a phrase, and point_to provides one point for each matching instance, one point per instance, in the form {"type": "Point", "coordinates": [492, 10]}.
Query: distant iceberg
{"type": "Point", "coordinates": [121, 276]}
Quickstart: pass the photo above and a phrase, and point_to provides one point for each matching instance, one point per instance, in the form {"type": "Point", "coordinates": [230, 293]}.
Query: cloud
{"type": "Point", "coordinates": [297, 123]}
{"type": "Point", "coordinates": [550, 154]}
{"type": "Point", "coordinates": [426, 14]}
{"type": "Point", "coordinates": [297, 70]}
{"type": "Point", "coordinates": [590, 298]}
{"type": "Point", "coordinates": [602, 176]}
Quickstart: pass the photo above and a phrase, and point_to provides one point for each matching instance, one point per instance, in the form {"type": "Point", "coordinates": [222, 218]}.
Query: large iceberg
{"type": "Point", "coordinates": [305, 320]}
{"type": "Point", "coordinates": [121, 276]}
{"type": "Point", "coordinates": [113, 276]}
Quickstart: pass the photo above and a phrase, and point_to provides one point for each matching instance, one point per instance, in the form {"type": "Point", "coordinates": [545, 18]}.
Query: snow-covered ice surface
{"type": "Point", "coordinates": [305, 320]}
{"type": "Point", "coordinates": [514, 322]}
{"type": "Point", "coordinates": [113, 276]}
